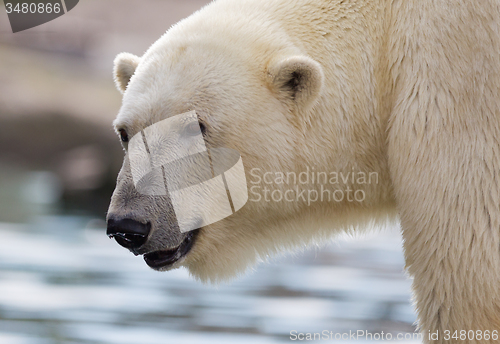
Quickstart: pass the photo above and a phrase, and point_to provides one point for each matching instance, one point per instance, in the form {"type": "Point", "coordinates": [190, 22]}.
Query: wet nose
{"type": "Point", "coordinates": [129, 233]}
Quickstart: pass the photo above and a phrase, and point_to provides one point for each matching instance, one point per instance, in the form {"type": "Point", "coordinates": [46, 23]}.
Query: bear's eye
{"type": "Point", "coordinates": [194, 128]}
{"type": "Point", "coordinates": [123, 135]}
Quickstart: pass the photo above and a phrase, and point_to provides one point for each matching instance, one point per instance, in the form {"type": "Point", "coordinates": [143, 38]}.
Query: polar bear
{"type": "Point", "coordinates": [318, 97]}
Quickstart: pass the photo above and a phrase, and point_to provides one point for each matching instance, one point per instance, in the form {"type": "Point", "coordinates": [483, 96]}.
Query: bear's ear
{"type": "Point", "coordinates": [125, 65]}
{"type": "Point", "coordinates": [297, 79]}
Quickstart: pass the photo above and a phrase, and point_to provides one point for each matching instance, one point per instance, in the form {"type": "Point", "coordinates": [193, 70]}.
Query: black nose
{"type": "Point", "coordinates": [128, 233]}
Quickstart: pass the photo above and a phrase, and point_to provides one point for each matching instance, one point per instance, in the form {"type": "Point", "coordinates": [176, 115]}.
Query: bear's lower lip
{"type": "Point", "coordinates": [164, 258]}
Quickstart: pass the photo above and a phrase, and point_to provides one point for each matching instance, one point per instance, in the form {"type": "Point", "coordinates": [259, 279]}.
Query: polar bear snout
{"type": "Point", "coordinates": [128, 233]}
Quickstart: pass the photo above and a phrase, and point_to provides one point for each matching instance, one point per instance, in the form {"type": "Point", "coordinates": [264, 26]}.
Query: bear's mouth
{"type": "Point", "coordinates": [164, 258]}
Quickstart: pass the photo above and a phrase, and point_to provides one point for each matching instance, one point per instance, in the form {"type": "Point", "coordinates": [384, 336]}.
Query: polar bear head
{"type": "Point", "coordinates": [253, 92]}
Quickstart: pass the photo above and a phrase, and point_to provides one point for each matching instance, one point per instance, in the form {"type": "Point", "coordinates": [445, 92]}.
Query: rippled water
{"type": "Point", "coordinates": [63, 281]}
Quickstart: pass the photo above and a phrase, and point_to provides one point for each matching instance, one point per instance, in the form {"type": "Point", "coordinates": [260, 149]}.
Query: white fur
{"type": "Point", "coordinates": [125, 65]}
{"type": "Point", "coordinates": [297, 79]}
{"type": "Point", "coordinates": [407, 89]}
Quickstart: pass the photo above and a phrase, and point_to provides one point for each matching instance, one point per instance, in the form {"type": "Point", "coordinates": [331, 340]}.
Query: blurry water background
{"type": "Point", "coordinates": [63, 281]}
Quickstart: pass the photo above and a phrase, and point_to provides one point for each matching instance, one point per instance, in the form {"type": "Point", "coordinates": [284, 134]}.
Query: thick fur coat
{"type": "Point", "coordinates": [409, 90]}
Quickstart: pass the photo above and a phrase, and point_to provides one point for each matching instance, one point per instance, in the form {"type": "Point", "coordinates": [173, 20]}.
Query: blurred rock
{"type": "Point", "coordinates": [83, 168]}
{"type": "Point", "coordinates": [85, 157]}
